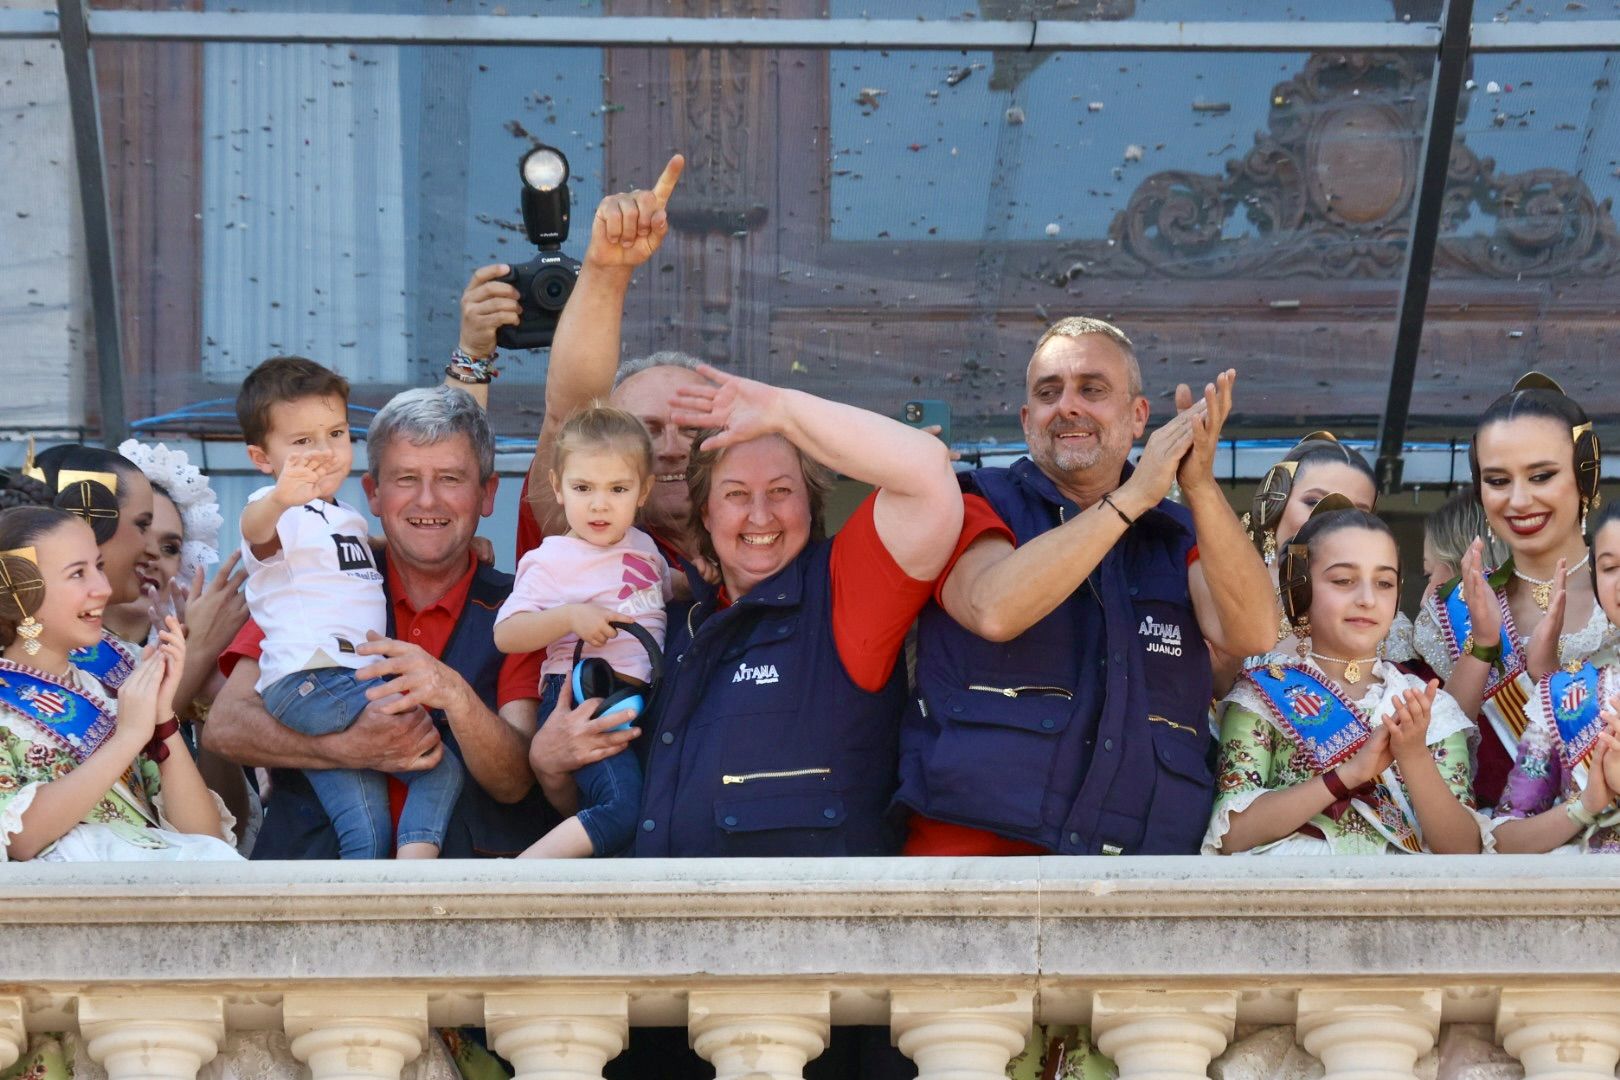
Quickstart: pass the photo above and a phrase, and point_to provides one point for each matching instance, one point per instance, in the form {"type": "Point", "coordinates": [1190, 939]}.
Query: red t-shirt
{"type": "Point", "coordinates": [429, 628]}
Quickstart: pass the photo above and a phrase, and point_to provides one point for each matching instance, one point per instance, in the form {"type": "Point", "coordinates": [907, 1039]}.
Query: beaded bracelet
{"type": "Point", "coordinates": [467, 368]}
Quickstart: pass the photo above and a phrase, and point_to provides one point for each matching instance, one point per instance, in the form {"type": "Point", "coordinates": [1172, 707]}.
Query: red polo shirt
{"type": "Point", "coordinates": [429, 628]}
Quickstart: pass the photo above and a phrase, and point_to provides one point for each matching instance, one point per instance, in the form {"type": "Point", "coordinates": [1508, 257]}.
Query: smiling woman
{"type": "Point", "coordinates": [1492, 632]}
{"type": "Point", "coordinates": [776, 731]}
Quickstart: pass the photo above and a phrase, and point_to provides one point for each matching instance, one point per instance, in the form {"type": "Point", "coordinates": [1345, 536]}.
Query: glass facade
{"type": "Point", "coordinates": [876, 224]}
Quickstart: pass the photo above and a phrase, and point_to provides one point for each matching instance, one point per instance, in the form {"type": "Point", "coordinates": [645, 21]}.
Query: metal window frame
{"type": "Point", "coordinates": [78, 27]}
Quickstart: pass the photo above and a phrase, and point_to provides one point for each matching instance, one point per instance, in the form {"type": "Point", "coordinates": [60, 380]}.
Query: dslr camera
{"type": "Point", "coordinates": [545, 282]}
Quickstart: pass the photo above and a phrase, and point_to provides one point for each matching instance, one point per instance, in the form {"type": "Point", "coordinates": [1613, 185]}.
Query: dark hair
{"type": "Point", "coordinates": [20, 527]}
{"type": "Point", "coordinates": [700, 478]}
{"type": "Point", "coordinates": [278, 379]}
{"type": "Point", "coordinates": [1321, 526]}
{"type": "Point", "coordinates": [76, 457]}
{"type": "Point", "coordinates": [1541, 401]}
{"type": "Point", "coordinates": [1315, 451]}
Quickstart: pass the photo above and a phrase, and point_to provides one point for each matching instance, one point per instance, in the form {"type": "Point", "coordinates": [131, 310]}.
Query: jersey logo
{"type": "Point", "coordinates": [353, 553]}
{"type": "Point", "coordinates": [763, 675]}
{"type": "Point", "coordinates": [1162, 637]}
{"type": "Point", "coordinates": [318, 511]}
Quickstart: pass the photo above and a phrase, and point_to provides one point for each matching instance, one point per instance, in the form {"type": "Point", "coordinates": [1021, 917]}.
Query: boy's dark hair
{"type": "Point", "coordinates": [282, 378]}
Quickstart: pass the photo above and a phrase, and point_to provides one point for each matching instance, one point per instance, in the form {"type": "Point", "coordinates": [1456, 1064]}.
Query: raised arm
{"type": "Point", "coordinates": [919, 507]}
{"type": "Point", "coordinates": [998, 591]}
{"type": "Point", "coordinates": [1229, 581]}
{"type": "Point", "coordinates": [625, 232]}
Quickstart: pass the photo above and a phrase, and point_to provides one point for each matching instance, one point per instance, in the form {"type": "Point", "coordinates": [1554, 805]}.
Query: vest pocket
{"type": "Point", "coordinates": [1183, 788]}
{"type": "Point", "coordinates": [784, 824]}
{"type": "Point", "coordinates": [990, 733]}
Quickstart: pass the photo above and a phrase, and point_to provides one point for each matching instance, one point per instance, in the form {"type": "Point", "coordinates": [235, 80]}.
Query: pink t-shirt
{"type": "Point", "coordinates": [631, 577]}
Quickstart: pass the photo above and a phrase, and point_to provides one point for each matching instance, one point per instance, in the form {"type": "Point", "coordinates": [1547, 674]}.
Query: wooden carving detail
{"type": "Point", "coordinates": [1328, 192]}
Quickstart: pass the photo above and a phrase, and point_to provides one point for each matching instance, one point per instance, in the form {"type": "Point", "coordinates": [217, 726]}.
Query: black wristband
{"type": "Point", "coordinates": [1128, 522]}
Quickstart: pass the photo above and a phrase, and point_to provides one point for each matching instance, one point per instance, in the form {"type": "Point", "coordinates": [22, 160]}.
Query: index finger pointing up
{"type": "Point", "coordinates": [671, 174]}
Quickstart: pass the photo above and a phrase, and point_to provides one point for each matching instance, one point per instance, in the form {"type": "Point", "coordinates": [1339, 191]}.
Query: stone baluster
{"type": "Point", "coordinates": [961, 1035]}
{"type": "Point", "coordinates": [761, 1035]}
{"type": "Point", "coordinates": [1368, 1034]}
{"type": "Point", "coordinates": [355, 1036]}
{"type": "Point", "coordinates": [13, 1035]}
{"type": "Point", "coordinates": [1565, 1034]}
{"type": "Point", "coordinates": [152, 1036]}
{"type": "Point", "coordinates": [558, 1035]}
{"type": "Point", "coordinates": [1162, 1035]}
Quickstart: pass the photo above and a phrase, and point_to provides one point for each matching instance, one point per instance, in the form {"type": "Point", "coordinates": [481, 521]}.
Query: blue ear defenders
{"type": "Point", "coordinates": [594, 677]}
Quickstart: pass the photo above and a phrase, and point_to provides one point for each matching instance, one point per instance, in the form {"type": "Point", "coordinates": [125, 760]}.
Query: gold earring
{"type": "Point", "coordinates": [1269, 552]}
{"type": "Point", "coordinates": [29, 630]}
{"type": "Point", "coordinates": [1303, 633]}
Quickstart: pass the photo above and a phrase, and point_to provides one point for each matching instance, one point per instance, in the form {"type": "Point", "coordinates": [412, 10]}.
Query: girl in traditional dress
{"type": "Point", "coordinates": [1331, 749]}
{"type": "Point", "coordinates": [85, 776]}
{"type": "Point", "coordinates": [115, 499]}
{"type": "Point", "coordinates": [1535, 461]}
{"type": "Point", "coordinates": [1562, 790]}
{"type": "Point", "coordinates": [1317, 465]}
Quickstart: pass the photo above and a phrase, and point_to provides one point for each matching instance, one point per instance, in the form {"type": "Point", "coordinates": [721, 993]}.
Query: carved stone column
{"type": "Point", "coordinates": [1565, 1034]}
{"type": "Point", "coordinates": [13, 1036]}
{"type": "Point", "coordinates": [345, 1036]}
{"type": "Point", "coordinates": [961, 1035]}
{"type": "Point", "coordinates": [558, 1035]}
{"type": "Point", "coordinates": [1368, 1034]}
{"type": "Point", "coordinates": [1162, 1035]}
{"type": "Point", "coordinates": [760, 1035]}
{"type": "Point", "coordinates": [152, 1036]}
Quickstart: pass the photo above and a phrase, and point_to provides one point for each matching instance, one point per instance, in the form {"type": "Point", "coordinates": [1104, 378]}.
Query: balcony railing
{"type": "Point", "coordinates": [1163, 958]}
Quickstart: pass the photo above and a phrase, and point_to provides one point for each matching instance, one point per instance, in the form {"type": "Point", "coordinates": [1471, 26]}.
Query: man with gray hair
{"type": "Point", "coordinates": [430, 478]}
{"type": "Point", "coordinates": [1063, 674]}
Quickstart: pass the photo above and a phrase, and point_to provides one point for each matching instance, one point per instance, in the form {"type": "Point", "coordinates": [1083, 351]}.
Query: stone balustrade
{"type": "Point", "coordinates": [1165, 959]}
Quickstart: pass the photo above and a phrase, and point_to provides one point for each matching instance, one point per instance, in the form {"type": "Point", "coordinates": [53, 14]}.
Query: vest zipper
{"type": "Point", "coordinates": [1179, 727]}
{"type": "Point", "coordinates": [1018, 691]}
{"type": "Point", "coordinates": [784, 774]}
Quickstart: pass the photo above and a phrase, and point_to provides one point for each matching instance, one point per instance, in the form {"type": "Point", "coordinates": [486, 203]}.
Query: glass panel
{"type": "Point", "coordinates": [43, 320]}
{"type": "Point", "coordinates": [1244, 210]}
{"type": "Point", "coordinates": [1528, 268]}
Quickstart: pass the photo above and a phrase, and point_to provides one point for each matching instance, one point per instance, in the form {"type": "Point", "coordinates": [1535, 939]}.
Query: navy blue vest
{"type": "Point", "coordinates": [295, 826]}
{"type": "Point", "coordinates": [758, 743]}
{"type": "Point", "coordinates": [1088, 733]}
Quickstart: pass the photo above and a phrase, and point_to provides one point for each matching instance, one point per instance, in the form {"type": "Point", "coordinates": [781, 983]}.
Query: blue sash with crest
{"type": "Point", "coordinates": [1574, 700]}
{"type": "Point", "coordinates": [1314, 714]}
{"type": "Point", "coordinates": [1455, 622]}
{"type": "Point", "coordinates": [109, 660]}
{"type": "Point", "coordinates": [71, 719]}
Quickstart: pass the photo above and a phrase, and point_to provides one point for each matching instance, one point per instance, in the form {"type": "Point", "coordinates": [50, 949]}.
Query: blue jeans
{"type": "Point", "coordinates": [609, 790]}
{"type": "Point", "coordinates": [325, 701]}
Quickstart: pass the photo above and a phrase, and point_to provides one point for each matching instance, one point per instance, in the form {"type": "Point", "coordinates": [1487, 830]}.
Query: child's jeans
{"type": "Point", "coordinates": [609, 790]}
{"type": "Point", "coordinates": [324, 701]}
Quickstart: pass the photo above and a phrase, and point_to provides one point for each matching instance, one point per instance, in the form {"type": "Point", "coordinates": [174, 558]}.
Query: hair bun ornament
{"type": "Point", "coordinates": [1535, 380]}
{"type": "Point", "coordinates": [193, 496]}
{"type": "Point", "coordinates": [92, 496]}
{"type": "Point", "coordinates": [22, 590]}
{"type": "Point", "coordinates": [1331, 502]}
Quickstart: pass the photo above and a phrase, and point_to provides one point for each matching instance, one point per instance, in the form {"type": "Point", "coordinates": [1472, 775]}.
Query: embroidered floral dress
{"type": "Point", "coordinates": [1547, 773]}
{"type": "Point", "coordinates": [128, 823]}
{"type": "Point", "coordinates": [1259, 754]}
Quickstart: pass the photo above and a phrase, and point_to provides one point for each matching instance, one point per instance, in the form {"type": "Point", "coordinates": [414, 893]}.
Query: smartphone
{"type": "Point", "coordinates": [927, 413]}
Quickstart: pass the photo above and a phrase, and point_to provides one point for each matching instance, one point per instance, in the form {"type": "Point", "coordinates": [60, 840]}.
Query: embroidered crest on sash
{"type": "Point", "coordinates": [109, 660]}
{"type": "Point", "coordinates": [1313, 714]}
{"type": "Point", "coordinates": [70, 718]}
{"type": "Point", "coordinates": [1574, 701]}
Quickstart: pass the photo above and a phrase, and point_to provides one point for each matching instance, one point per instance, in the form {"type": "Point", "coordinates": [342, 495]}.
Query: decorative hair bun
{"type": "Point", "coordinates": [22, 590]}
